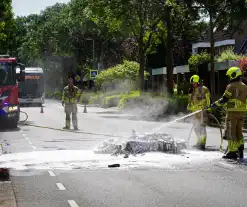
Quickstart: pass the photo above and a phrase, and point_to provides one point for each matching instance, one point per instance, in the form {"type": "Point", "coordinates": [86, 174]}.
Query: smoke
{"type": "Point", "coordinates": [142, 106]}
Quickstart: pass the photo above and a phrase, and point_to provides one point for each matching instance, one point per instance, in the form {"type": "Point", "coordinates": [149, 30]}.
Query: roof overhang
{"type": "Point", "coordinates": [216, 44]}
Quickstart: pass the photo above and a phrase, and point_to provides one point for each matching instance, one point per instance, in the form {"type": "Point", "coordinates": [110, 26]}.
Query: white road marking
{"type": "Point", "coordinates": [34, 147]}
{"type": "Point", "coordinates": [226, 165]}
{"type": "Point", "coordinates": [24, 135]}
{"type": "Point", "coordinates": [30, 142]}
{"type": "Point", "coordinates": [26, 138]}
{"type": "Point", "coordinates": [51, 173]}
{"type": "Point", "coordinates": [60, 186]}
{"type": "Point", "coordinates": [72, 203]}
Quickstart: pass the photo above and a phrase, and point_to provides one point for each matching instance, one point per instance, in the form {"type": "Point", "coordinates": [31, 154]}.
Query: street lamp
{"type": "Point", "coordinates": [90, 39]}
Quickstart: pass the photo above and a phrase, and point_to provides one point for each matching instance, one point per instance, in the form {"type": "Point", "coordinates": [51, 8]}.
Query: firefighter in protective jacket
{"type": "Point", "coordinates": [69, 101]}
{"type": "Point", "coordinates": [199, 98]}
{"type": "Point", "coordinates": [234, 99]}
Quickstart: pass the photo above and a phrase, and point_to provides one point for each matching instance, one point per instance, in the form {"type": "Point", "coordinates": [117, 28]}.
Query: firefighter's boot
{"type": "Point", "coordinates": [200, 146]}
{"type": "Point", "coordinates": [67, 124]}
{"type": "Point", "coordinates": [232, 150]}
{"type": "Point", "coordinates": [201, 143]}
{"type": "Point", "coordinates": [230, 155]}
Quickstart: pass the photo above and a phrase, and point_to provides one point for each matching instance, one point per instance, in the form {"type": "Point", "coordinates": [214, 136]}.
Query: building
{"type": "Point", "coordinates": [225, 38]}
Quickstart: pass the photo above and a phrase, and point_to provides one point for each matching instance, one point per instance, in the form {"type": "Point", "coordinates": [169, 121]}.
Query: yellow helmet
{"type": "Point", "coordinates": [195, 79]}
{"type": "Point", "coordinates": [234, 72]}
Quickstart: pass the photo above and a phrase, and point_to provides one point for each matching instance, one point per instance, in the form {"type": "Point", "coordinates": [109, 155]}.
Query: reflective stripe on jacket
{"type": "Point", "coordinates": [199, 98]}
{"type": "Point", "coordinates": [235, 94]}
{"type": "Point", "coordinates": [70, 95]}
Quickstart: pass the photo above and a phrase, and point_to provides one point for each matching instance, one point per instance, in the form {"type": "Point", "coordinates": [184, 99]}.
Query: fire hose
{"type": "Point", "coordinates": [22, 122]}
{"type": "Point", "coordinates": [221, 134]}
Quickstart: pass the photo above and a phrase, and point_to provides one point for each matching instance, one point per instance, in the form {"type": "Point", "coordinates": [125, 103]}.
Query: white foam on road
{"type": "Point", "coordinates": [82, 159]}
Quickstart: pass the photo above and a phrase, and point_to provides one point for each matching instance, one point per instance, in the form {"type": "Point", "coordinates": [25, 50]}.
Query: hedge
{"type": "Point", "coordinates": [123, 75]}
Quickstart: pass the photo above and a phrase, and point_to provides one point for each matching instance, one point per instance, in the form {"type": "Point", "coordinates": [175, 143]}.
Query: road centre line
{"type": "Point", "coordinates": [52, 174]}
{"type": "Point", "coordinates": [72, 203]}
{"type": "Point", "coordinates": [60, 186]}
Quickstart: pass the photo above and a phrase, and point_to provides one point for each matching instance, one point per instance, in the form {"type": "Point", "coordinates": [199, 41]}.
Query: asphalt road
{"type": "Point", "coordinates": [51, 167]}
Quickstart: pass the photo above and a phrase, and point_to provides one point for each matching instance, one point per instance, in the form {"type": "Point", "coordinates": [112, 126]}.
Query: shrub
{"type": "Point", "coordinates": [85, 98]}
{"type": "Point", "coordinates": [228, 55]}
{"type": "Point", "coordinates": [127, 98]}
{"type": "Point", "coordinates": [111, 101]}
{"type": "Point", "coordinates": [48, 95]}
{"type": "Point", "coordinates": [152, 103]}
{"type": "Point", "coordinates": [243, 64]}
{"type": "Point", "coordinates": [57, 95]}
{"type": "Point", "coordinates": [197, 59]}
{"type": "Point", "coordinates": [123, 75]}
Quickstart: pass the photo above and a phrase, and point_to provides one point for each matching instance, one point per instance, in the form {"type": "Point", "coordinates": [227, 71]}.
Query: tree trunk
{"type": "Point", "coordinates": [142, 68]}
{"type": "Point", "coordinates": [169, 53]}
{"type": "Point", "coordinates": [212, 74]}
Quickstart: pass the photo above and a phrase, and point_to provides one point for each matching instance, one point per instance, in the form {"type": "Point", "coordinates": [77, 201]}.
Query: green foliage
{"type": "Point", "coordinates": [7, 27]}
{"type": "Point", "coordinates": [89, 98]}
{"type": "Point", "coordinates": [229, 55]}
{"type": "Point", "coordinates": [48, 95]}
{"type": "Point", "coordinates": [128, 97]}
{"type": "Point", "coordinates": [124, 75]}
{"type": "Point", "coordinates": [197, 59]}
{"type": "Point", "coordinates": [57, 95]}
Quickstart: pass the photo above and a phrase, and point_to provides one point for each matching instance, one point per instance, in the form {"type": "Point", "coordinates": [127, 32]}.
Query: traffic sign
{"type": "Point", "coordinates": [77, 78]}
{"type": "Point", "coordinates": [93, 74]}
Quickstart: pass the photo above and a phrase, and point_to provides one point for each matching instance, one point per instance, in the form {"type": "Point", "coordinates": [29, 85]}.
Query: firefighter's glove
{"type": "Point", "coordinates": [62, 103]}
{"type": "Point", "coordinates": [213, 106]}
{"type": "Point", "coordinates": [208, 109]}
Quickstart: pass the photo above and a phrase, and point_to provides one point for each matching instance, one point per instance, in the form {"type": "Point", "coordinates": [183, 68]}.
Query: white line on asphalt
{"type": "Point", "coordinates": [72, 203]}
{"type": "Point", "coordinates": [60, 186]}
{"type": "Point", "coordinates": [51, 173]}
{"type": "Point", "coordinates": [34, 147]}
{"type": "Point", "coordinates": [30, 142]}
{"type": "Point", "coordinates": [226, 165]}
{"type": "Point", "coordinates": [24, 135]}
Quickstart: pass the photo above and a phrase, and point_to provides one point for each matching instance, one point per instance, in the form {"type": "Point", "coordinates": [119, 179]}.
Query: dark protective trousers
{"type": "Point", "coordinates": [71, 109]}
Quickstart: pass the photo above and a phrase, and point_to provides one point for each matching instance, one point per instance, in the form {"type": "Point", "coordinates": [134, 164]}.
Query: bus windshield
{"type": "Point", "coordinates": [33, 86]}
{"type": "Point", "coordinates": [7, 73]}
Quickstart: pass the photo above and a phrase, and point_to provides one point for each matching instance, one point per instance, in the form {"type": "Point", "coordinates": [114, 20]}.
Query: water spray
{"type": "Point", "coordinates": [177, 120]}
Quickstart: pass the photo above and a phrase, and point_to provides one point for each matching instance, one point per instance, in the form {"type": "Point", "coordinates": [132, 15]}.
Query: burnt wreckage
{"type": "Point", "coordinates": [150, 142]}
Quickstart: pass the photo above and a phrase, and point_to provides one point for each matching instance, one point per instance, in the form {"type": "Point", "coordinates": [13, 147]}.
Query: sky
{"type": "Point", "coordinates": [26, 7]}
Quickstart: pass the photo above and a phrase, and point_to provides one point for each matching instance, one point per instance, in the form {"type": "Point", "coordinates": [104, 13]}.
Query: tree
{"type": "Point", "coordinates": [179, 24]}
{"type": "Point", "coordinates": [221, 14]}
{"type": "Point", "coordinates": [139, 18]}
{"type": "Point", "coordinates": [7, 27]}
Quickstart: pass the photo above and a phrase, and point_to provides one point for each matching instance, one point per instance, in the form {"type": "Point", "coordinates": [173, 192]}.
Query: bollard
{"type": "Point", "coordinates": [42, 110]}
{"type": "Point", "coordinates": [85, 108]}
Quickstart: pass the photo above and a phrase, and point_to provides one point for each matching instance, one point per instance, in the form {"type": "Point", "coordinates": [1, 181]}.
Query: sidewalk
{"type": "Point", "coordinates": [7, 198]}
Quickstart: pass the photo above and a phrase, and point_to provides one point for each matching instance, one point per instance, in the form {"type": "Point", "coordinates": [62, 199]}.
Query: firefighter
{"type": "Point", "coordinates": [69, 101]}
{"type": "Point", "coordinates": [234, 98]}
{"type": "Point", "coordinates": [199, 98]}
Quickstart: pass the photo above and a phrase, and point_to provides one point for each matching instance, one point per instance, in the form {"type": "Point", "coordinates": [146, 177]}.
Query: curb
{"type": "Point", "coordinates": [4, 172]}
{"type": "Point", "coordinates": [7, 196]}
